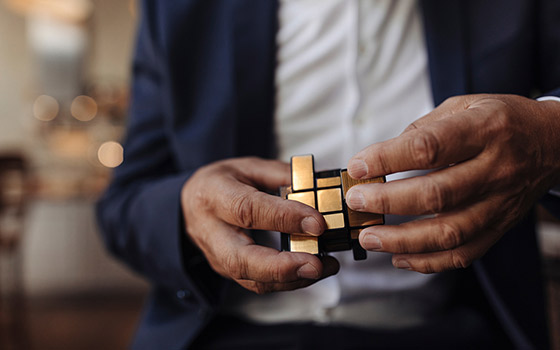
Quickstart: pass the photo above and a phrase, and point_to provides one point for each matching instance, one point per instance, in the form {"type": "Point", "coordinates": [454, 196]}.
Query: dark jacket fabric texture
{"type": "Point", "coordinates": [203, 90]}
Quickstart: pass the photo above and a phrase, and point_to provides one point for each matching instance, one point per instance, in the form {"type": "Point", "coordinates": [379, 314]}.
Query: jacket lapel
{"type": "Point", "coordinates": [446, 39]}
{"type": "Point", "coordinates": [255, 25]}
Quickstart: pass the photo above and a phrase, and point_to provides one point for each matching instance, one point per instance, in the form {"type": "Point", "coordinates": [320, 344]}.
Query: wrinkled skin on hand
{"type": "Point", "coordinates": [220, 201]}
{"type": "Point", "coordinates": [494, 156]}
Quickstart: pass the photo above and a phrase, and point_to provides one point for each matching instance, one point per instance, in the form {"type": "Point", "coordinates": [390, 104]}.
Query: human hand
{"type": "Point", "coordinates": [495, 155]}
{"type": "Point", "coordinates": [223, 199]}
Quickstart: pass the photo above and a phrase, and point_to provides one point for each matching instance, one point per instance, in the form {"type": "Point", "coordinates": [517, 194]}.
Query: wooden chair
{"type": "Point", "coordinates": [13, 198]}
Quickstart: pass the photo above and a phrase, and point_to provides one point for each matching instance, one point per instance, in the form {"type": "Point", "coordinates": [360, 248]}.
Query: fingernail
{"type": "Point", "coordinates": [308, 271]}
{"type": "Point", "coordinates": [357, 168]}
{"type": "Point", "coordinates": [311, 226]}
{"type": "Point", "coordinates": [355, 200]}
{"type": "Point", "coordinates": [402, 264]}
{"type": "Point", "coordinates": [372, 242]}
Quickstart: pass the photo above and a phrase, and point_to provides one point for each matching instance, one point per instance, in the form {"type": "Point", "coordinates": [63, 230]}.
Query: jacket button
{"type": "Point", "coordinates": [183, 294]}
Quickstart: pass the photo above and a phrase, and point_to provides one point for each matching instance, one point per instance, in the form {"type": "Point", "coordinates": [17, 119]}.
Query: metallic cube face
{"type": "Point", "coordinates": [326, 192]}
{"type": "Point", "coordinates": [328, 182]}
{"type": "Point", "coordinates": [329, 200]}
{"type": "Point", "coordinates": [303, 173]}
{"type": "Point", "coordinates": [304, 244]}
{"type": "Point", "coordinates": [307, 198]}
{"type": "Point", "coordinates": [334, 221]}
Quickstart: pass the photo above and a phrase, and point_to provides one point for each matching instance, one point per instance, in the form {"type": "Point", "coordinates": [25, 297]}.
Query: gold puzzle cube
{"type": "Point", "coordinates": [326, 192]}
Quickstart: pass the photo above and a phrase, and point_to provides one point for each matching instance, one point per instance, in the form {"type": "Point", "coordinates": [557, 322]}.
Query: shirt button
{"type": "Point", "coordinates": [325, 315]}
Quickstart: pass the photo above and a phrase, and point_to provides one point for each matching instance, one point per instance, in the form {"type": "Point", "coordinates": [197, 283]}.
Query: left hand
{"type": "Point", "coordinates": [495, 155]}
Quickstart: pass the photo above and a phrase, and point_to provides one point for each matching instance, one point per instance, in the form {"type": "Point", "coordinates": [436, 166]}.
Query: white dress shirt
{"type": "Point", "coordinates": [350, 73]}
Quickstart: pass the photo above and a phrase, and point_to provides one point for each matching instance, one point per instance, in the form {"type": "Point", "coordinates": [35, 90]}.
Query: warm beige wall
{"type": "Point", "coordinates": [112, 33]}
{"type": "Point", "coordinates": [112, 40]}
{"type": "Point", "coordinates": [14, 67]}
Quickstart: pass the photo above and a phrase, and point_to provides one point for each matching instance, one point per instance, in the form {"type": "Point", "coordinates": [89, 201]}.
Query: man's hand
{"type": "Point", "coordinates": [495, 155]}
{"type": "Point", "coordinates": [223, 199]}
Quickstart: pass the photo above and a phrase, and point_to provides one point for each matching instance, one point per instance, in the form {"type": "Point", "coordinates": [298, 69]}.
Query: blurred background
{"type": "Point", "coordinates": [64, 80]}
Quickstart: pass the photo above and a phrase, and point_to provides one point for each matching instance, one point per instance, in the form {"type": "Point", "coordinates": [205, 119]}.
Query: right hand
{"type": "Point", "coordinates": [223, 199]}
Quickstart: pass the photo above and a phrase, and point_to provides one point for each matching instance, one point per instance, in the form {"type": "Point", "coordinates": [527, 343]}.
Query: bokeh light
{"type": "Point", "coordinates": [83, 108]}
{"type": "Point", "coordinates": [110, 154]}
{"type": "Point", "coordinates": [45, 108]}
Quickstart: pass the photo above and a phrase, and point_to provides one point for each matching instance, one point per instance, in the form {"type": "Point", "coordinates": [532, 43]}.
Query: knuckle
{"type": "Point", "coordinates": [434, 196]}
{"type": "Point", "coordinates": [459, 260]}
{"type": "Point", "coordinates": [233, 267]}
{"type": "Point", "coordinates": [501, 124]}
{"type": "Point", "coordinates": [200, 199]}
{"type": "Point", "coordinates": [283, 268]}
{"type": "Point", "coordinates": [426, 267]}
{"type": "Point", "coordinates": [242, 208]}
{"type": "Point", "coordinates": [378, 202]}
{"type": "Point", "coordinates": [505, 174]}
{"type": "Point", "coordinates": [451, 100]}
{"type": "Point", "coordinates": [282, 220]}
{"type": "Point", "coordinates": [245, 162]}
{"type": "Point", "coordinates": [424, 149]}
{"type": "Point", "coordinates": [450, 236]}
{"type": "Point", "coordinates": [516, 212]}
{"type": "Point", "coordinates": [411, 126]}
{"type": "Point", "coordinates": [249, 159]}
{"type": "Point", "coordinates": [381, 160]}
{"type": "Point", "coordinates": [261, 288]}
{"type": "Point", "coordinates": [277, 272]}
{"type": "Point", "coordinates": [194, 195]}
{"type": "Point", "coordinates": [400, 245]}
{"type": "Point", "coordinates": [227, 164]}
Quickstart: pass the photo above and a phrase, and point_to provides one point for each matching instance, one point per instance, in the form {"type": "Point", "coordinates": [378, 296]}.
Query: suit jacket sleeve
{"type": "Point", "coordinates": [548, 66]}
{"type": "Point", "coordinates": [140, 214]}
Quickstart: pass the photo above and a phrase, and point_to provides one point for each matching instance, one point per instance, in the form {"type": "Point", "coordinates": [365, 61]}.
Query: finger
{"type": "Point", "coordinates": [244, 206]}
{"type": "Point", "coordinates": [233, 254]}
{"type": "Point", "coordinates": [443, 232]}
{"type": "Point", "coordinates": [331, 267]}
{"type": "Point", "coordinates": [452, 259]}
{"type": "Point", "coordinates": [441, 143]}
{"type": "Point", "coordinates": [264, 288]}
{"type": "Point", "coordinates": [432, 193]}
{"type": "Point", "coordinates": [263, 264]}
{"type": "Point", "coordinates": [215, 239]}
{"type": "Point", "coordinates": [236, 257]}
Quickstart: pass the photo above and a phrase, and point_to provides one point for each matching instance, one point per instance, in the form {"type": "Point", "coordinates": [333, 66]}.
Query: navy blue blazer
{"type": "Point", "coordinates": [203, 90]}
